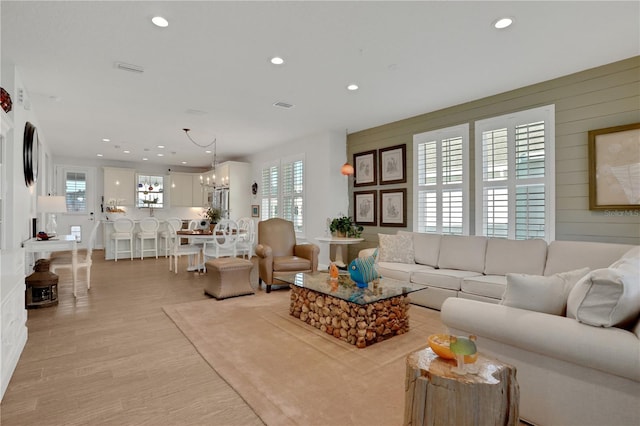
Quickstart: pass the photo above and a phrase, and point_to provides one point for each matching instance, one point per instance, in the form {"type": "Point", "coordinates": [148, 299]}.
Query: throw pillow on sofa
{"type": "Point", "coordinates": [395, 248]}
{"type": "Point", "coordinates": [539, 293]}
{"type": "Point", "coordinates": [608, 297]}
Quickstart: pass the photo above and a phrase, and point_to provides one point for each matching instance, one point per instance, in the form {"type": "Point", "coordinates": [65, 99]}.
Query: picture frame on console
{"type": "Point", "coordinates": [365, 166]}
{"type": "Point", "coordinates": [614, 168]}
{"type": "Point", "coordinates": [393, 207]}
{"type": "Point", "coordinates": [365, 208]}
{"type": "Point", "coordinates": [393, 164]}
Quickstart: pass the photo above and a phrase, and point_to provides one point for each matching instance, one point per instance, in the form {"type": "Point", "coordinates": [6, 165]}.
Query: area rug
{"type": "Point", "coordinates": [290, 373]}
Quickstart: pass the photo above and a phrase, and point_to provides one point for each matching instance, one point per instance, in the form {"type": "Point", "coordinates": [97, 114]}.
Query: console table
{"type": "Point", "coordinates": [59, 243]}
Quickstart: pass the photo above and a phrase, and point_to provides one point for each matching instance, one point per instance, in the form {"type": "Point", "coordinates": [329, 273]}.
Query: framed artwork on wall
{"type": "Point", "coordinates": [365, 166]}
{"type": "Point", "coordinates": [393, 164]}
{"type": "Point", "coordinates": [393, 207]}
{"type": "Point", "coordinates": [614, 168]}
{"type": "Point", "coordinates": [255, 210]}
{"type": "Point", "coordinates": [365, 208]}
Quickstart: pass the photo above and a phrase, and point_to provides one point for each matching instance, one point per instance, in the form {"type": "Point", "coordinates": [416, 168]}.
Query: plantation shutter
{"type": "Point", "coordinates": [283, 191]}
{"type": "Point", "coordinates": [76, 191]}
{"type": "Point", "coordinates": [515, 177]}
{"type": "Point", "coordinates": [292, 193]}
{"type": "Point", "coordinates": [440, 159]}
{"type": "Point", "coordinates": [269, 192]}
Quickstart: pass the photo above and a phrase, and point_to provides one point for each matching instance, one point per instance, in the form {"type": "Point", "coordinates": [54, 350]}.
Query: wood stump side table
{"type": "Point", "coordinates": [434, 395]}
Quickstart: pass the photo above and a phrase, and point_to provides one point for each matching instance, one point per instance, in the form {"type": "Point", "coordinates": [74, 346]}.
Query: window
{"type": "Point", "coordinates": [150, 191]}
{"type": "Point", "coordinates": [441, 181]}
{"type": "Point", "coordinates": [270, 191]}
{"type": "Point", "coordinates": [283, 191]}
{"type": "Point", "coordinates": [515, 177]}
{"type": "Point", "coordinates": [75, 184]}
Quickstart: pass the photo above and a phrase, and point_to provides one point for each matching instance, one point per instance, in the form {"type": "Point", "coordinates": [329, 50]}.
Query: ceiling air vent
{"type": "Point", "coordinates": [283, 105]}
{"type": "Point", "coordinates": [196, 112]}
{"type": "Point", "coordinates": [129, 67]}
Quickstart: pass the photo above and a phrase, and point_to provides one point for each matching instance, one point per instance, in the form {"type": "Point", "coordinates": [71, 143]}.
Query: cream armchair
{"type": "Point", "coordinates": [278, 253]}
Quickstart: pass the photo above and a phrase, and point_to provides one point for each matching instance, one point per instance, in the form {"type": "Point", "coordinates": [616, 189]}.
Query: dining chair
{"type": "Point", "coordinates": [193, 225]}
{"type": "Point", "coordinates": [123, 230]}
{"type": "Point", "coordinates": [223, 241]}
{"type": "Point", "coordinates": [246, 237]}
{"type": "Point", "coordinates": [148, 231]}
{"type": "Point", "coordinates": [83, 258]}
{"type": "Point", "coordinates": [166, 233]}
{"type": "Point", "coordinates": [176, 249]}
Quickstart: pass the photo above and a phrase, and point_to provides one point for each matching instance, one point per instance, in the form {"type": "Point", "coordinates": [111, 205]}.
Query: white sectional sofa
{"type": "Point", "coordinates": [579, 367]}
{"type": "Point", "coordinates": [475, 267]}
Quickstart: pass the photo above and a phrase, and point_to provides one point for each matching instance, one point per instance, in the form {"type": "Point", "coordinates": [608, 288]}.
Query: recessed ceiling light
{"type": "Point", "coordinates": [144, 158]}
{"type": "Point", "coordinates": [352, 87]}
{"type": "Point", "coordinates": [503, 23]}
{"type": "Point", "coordinates": [184, 162]}
{"type": "Point", "coordinates": [98, 155]}
{"type": "Point", "coordinates": [126, 151]}
{"type": "Point", "coordinates": [276, 60]}
{"type": "Point", "coordinates": [159, 21]}
{"type": "Point", "coordinates": [161, 146]}
{"type": "Point", "coordinates": [106, 140]}
{"type": "Point", "coordinates": [160, 155]}
{"type": "Point", "coordinates": [208, 152]}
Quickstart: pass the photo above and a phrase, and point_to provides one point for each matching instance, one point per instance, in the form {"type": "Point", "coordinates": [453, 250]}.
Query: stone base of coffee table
{"type": "Point", "coordinates": [360, 325]}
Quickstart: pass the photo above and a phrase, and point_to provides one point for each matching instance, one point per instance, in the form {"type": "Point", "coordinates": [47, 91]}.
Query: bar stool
{"type": "Point", "coordinates": [123, 231]}
{"type": "Point", "coordinates": [148, 231]}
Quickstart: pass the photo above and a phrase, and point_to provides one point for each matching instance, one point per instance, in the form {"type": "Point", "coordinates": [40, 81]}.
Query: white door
{"type": "Point", "coordinates": [78, 184]}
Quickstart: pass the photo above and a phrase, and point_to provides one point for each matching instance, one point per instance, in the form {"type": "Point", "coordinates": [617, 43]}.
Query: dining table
{"type": "Point", "coordinates": [199, 236]}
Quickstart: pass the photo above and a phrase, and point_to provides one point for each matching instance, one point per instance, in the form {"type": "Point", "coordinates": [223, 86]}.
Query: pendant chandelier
{"type": "Point", "coordinates": [214, 162]}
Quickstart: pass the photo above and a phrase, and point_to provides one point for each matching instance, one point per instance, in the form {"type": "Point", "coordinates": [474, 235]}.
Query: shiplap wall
{"type": "Point", "coordinates": [593, 99]}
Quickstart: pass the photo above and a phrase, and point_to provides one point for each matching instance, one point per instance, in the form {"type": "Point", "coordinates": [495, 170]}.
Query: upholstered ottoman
{"type": "Point", "coordinates": [228, 277]}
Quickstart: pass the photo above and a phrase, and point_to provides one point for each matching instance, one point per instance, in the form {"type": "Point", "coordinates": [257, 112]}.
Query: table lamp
{"type": "Point", "coordinates": [51, 205]}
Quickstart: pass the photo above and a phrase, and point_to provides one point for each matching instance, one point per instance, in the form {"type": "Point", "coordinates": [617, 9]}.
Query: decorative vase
{"type": "Point", "coordinates": [5, 100]}
{"type": "Point", "coordinates": [341, 234]}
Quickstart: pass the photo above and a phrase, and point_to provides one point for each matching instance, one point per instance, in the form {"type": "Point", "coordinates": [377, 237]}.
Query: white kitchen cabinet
{"type": "Point", "coordinates": [186, 190]}
{"type": "Point", "coordinates": [119, 186]}
{"type": "Point", "coordinates": [237, 176]}
{"type": "Point", "coordinates": [181, 189]}
{"type": "Point", "coordinates": [199, 193]}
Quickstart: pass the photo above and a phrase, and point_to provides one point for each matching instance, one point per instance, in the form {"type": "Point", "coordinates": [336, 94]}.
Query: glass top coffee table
{"type": "Point", "coordinates": [359, 316]}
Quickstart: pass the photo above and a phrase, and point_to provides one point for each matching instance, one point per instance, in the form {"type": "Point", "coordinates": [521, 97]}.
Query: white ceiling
{"type": "Point", "coordinates": [408, 58]}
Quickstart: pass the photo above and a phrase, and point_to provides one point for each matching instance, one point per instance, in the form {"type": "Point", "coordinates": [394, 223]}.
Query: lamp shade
{"type": "Point", "coordinates": [347, 169]}
{"type": "Point", "coordinates": [52, 204]}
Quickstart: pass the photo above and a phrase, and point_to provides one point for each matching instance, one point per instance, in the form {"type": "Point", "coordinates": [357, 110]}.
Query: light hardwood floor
{"type": "Point", "coordinates": [112, 357]}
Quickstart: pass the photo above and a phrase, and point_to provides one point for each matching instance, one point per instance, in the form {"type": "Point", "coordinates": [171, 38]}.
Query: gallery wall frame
{"type": "Point", "coordinates": [393, 164]}
{"type": "Point", "coordinates": [366, 168]}
{"type": "Point", "coordinates": [614, 168]}
{"type": "Point", "coordinates": [255, 210]}
{"type": "Point", "coordinates": [365, 208]}
{"type": "Point", "coordinates": [393, 207]}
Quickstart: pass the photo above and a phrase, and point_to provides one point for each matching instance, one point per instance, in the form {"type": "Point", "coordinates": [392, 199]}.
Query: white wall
{"type": "Point", "coordinates": [21, 200]}
{"type": "Point", "coordinates": [326, 190]}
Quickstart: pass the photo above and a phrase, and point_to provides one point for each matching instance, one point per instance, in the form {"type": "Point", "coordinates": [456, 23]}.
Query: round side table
{"type": "Point", "coordinates": [341, 244]}
{"type": "Point", "coordinates": [434, 395]}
